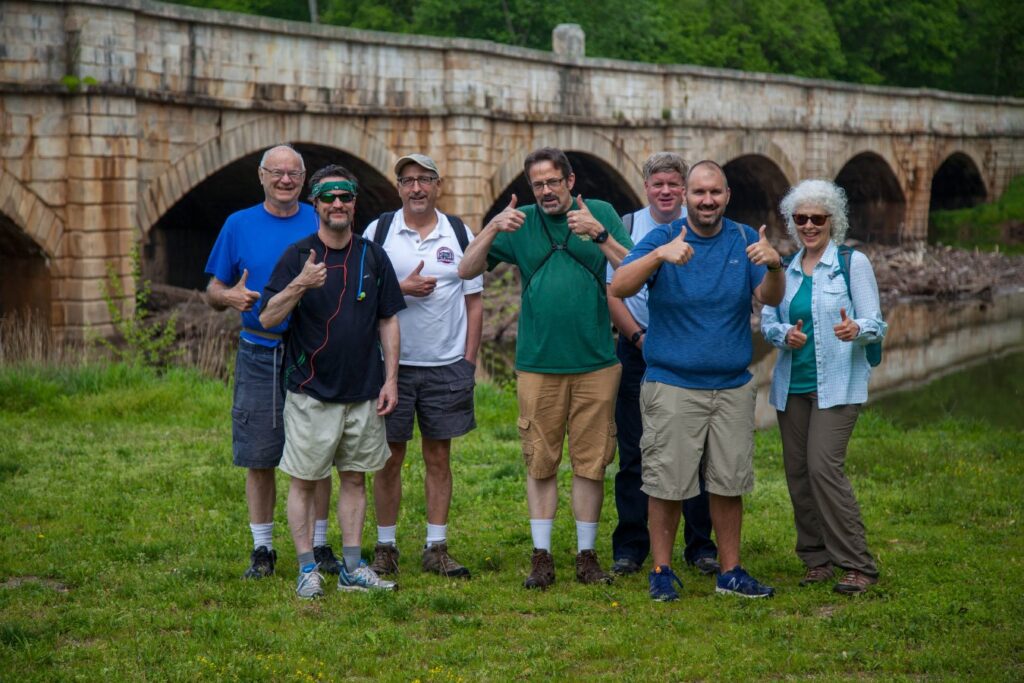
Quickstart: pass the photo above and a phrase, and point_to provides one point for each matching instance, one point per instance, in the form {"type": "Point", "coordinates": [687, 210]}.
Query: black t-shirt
{"type": "Point", "coordinates": [333, 350]}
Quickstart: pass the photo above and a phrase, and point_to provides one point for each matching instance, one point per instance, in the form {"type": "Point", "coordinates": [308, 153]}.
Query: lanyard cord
{"type": "Point", "coordinates": [327, 325]}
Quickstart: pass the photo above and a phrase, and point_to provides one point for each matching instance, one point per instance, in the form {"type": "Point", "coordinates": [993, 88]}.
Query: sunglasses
{"type": "Point", "coordinates": [329, 197]}
{"type": "Point", "coordinates": [818, 220]}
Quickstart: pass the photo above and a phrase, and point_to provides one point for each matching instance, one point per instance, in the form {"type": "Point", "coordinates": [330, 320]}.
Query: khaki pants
{"type": "Point", "coordinates": [828, 521]}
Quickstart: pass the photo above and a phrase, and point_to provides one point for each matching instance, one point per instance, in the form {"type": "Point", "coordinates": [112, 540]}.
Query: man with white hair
{"type": "Point", "coordinates": [240, 264]}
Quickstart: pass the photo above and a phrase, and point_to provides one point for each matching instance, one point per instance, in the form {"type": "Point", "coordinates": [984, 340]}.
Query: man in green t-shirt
{"type": "Point", "coordinates": [567, 371]}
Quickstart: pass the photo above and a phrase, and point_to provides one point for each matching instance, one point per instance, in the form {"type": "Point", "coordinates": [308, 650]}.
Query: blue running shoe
{"type": "Point", "coordinates": [738, 582]}
{"type": "Point", "coordinates": [662, 580]}
{"type": "Point", "coordinates": [363, 579]}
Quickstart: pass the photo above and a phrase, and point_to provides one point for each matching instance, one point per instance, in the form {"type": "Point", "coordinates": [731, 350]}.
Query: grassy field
{"type": "Point", "coordinates": [123, 536]}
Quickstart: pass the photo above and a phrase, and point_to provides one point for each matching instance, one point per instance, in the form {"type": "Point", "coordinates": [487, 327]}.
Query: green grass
{"type": "Point", "coordinates": [124, 534]}
{"type": "Point", "coordinates": [983, 226]}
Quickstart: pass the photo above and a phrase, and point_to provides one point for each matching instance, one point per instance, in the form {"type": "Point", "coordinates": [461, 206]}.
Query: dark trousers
{"type": "Point", "coordinates": [631, 538]}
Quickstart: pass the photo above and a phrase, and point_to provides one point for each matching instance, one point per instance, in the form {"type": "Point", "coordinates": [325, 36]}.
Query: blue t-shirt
{"type": "Point", "coordinates": [699, 335]}
{"type": "Point", "coordinates": [254, 239]}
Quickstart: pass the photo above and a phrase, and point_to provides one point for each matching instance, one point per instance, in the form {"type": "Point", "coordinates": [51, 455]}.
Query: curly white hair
{"type": "Point", "coordinates": [818, 193]}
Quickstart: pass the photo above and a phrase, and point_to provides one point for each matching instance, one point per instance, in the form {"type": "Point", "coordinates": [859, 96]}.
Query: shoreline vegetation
{"type": "Point", "coordinates": [124, 536]}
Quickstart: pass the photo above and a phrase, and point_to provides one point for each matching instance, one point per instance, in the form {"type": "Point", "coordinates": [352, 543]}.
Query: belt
{"type": "Point", "coordinates": [262, 333]}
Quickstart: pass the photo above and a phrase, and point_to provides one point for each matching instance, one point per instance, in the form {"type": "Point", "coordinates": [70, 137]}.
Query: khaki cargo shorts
{"type": "Point", "coordinates": [682, 427]}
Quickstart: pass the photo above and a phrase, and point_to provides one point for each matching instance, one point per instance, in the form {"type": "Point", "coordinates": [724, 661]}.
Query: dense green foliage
{"type": "Point", "coordinates": [986, 226]}
{"type": "Point", "coordinates": [123, 528]}
{"type": "Point", "coordinates": [970, 46]}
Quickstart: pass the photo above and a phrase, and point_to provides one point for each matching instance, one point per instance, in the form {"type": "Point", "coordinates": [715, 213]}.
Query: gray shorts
{"type": "Point", "coordinates": [440, 398]}
{"type": "Point", "coordinates": [683, 427]}
{"type": "Point", "coordinates": [257, 423]}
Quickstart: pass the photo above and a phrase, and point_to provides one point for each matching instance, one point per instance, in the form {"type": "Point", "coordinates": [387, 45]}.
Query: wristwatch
{"type": "Point", "coordinates": [636, 336]}
{"type": "Point", "coordinates": [601, 238]}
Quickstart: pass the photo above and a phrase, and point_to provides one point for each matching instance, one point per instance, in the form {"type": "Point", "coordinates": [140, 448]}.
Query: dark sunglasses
{"type": "Point", "coordinates": [818, 220]}
{"type": "Point", "coordinates": [329, 197]}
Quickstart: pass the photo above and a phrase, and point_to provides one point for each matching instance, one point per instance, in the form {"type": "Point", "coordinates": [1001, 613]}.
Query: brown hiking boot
{"type": "Point", "coordinates": [819, 574]}
{"type": "Point", "coordinates": [588, 570]}
{"type": "Point", "coordinates": [437, 560]}
{"type": "Point", "coordinates": [854, 583]}
{"type": "Point", "coordinates": [385, 559]}
{"type": "Point", "coordinates": [542, 574]}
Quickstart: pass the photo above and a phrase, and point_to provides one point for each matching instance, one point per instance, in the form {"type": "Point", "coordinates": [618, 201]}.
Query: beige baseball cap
{"type": "Point", "coordinates": [421, 159]}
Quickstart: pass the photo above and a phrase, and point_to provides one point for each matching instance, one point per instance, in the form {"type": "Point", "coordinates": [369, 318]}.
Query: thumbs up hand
{"type": "Point", "coordinates": [418, 285]}
{"type": "Point", "coordinates": [313, 274]}
{"type": "Point", "coordinates": [240, 297]}
{"type": "Point", "coordinates": [847, 329]}
{"type": "Point", "coordinates": [795, 337]}
{"type": "Point", "coordinates": [762, 253]}
{"type": "Point", "coordinates": [582, 222]}
{"type": "Point", "coordinates": [510, 219]}
{"type": "Point", "coordinates": [676, 251]}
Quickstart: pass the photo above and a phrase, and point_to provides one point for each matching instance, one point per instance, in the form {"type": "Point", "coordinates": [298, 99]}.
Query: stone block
{"type": "Point", "coordinates": [102, 167]}
{"type": "Point", "coordinates": [95, 217]}
{"type": "Point", "coordinates": [54, 193]}
{"type": "Point", "coordinates": [98, 244]}
{"type": "Point", "coordinates": [103, 192]}
{"type": "Point", "coordinates": [47, 169]}
{"type": "Point", "coordinates": [103, 146]}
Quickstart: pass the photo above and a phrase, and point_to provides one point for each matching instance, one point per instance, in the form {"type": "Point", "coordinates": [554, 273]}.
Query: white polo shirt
{"type": "Point", "coordinates": [433, 328]}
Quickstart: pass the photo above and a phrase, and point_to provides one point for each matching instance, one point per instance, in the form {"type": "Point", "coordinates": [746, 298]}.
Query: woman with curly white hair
{"type": "Point", "coordinates": [821, 379]}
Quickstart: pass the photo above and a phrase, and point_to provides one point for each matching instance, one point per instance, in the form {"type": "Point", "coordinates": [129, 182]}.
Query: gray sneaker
{"type": "Point", "coordinates": [437, 560]}
{"type": "Point", "coordinates": [385, 559]}
{"type": "Point", "coordinates": [363, 579]}
{"type": "Point", "coordinates": [310, 585]}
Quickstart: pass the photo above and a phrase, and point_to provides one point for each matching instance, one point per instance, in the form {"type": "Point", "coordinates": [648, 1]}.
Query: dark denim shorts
{"type": "Point", "coordinates": [257, 423]}
{"type": "Point", "coordinates": [440, 397]}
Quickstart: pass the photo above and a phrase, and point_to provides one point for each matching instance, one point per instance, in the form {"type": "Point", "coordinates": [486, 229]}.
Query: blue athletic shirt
{"type": "Point", "coordinates": [255, 239]}
{"type": "Point", "coordinates": [699, 335]}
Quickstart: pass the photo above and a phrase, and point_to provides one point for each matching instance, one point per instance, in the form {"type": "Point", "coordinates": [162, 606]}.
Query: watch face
{"type": "Point", "coordinates": [602, 237]}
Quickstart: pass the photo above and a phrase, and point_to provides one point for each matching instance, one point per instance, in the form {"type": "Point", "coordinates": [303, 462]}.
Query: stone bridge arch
{"type": "Point", "coordinates": [594, 157]}
{"type": "Point", "coordinates": [877, 197]}
{"type": "Point", "coordinates": [219, 178]}
{"type": "Point", "coordinates": [757, 184]}
{"type": "Point", "coordinates": [957, 182]}
{"type": "Point", "coordinates": [30, 236]}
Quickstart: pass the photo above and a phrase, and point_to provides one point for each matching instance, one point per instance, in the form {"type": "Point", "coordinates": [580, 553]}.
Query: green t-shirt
{"type": "Point", "coordinates": [564, 326]}
{"type": "Point", "coordinates": [804, 375]}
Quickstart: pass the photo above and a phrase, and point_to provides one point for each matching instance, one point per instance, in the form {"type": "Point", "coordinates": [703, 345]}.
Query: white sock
{"type": "Point", "coordinates": [540, 529]}
{"type": "Point", "coordinates": [262, 534]}
{"type": "Point", "coordinates": [436, 533]}
{"type": "Point", "coordinates": [586, 535]}
{"type": "Point", "coordinates": [320, 533]}
{"type": "Point", "coordinates": [386, 534]}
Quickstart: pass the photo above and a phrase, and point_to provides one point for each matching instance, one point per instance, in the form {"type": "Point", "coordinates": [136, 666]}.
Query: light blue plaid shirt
{"type": "Point", "coordinates": [843, 370]}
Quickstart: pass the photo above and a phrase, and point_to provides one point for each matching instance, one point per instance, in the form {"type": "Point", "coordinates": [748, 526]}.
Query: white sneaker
{"type": "Point", "coordinates": [363, 579]}
{"type": "Point", "coordinates": [310, 585]}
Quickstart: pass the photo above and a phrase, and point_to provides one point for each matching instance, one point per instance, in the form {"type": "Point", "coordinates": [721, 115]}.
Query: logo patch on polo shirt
{"type": "Point", "coordinates": [445, 255]}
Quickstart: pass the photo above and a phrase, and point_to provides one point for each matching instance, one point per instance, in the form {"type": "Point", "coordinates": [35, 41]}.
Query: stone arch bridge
{"type": "Point", "coordinates": [130, 123]}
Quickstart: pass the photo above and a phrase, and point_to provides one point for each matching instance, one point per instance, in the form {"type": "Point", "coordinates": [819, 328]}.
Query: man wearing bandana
{"type": "Point", "coordinates": [340, 372]}
{"type": "Point", "coordinates": [240, 263]}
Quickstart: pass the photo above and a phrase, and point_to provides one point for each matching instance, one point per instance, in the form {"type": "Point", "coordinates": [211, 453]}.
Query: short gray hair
{"type": "Point", "coordinates": [266, 155]}
{"type": "Point", "coordinates": [823, 193]}
{"type": "Point", "coordinates": [664, 162]}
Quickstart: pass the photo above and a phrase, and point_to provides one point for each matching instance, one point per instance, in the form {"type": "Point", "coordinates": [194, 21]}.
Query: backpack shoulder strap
{"type": "Point", "coordinates": [845, 257]}
{"type": "Point", "coordinates": [383, 226]}
{"type": "Point", "coordinates": [627, 221]}
{"type": "Point", "coordinates": [460, 231]}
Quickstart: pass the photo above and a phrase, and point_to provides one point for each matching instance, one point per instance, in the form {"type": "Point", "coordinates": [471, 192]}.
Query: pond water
{"type": "Point", "coordinates": [991, 392]}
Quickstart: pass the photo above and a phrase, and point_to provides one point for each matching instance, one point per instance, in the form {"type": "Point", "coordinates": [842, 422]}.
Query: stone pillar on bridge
{"type": "Point", "coordinates": [102, 171]}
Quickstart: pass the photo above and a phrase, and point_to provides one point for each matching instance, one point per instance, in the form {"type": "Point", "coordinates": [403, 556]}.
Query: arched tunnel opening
{"type": "Point", "coordinates": [594, 178]}
{"type": "Point", "coordinates": [877, 206]}
{"type": "Point", "coordinates": [25, 288]}
{"type": "Point", "coordinates": [957, 184]}
{"type": "Point", "coordinates": [757, 185]}
{"type": "Point", "coordinates": [180, 242]}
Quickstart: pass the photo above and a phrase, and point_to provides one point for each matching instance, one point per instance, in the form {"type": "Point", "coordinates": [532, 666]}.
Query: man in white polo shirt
{"type": "Point", "coordinates": [440, 337]}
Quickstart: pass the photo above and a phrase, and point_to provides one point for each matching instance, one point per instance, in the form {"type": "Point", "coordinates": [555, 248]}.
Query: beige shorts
{"type": "Point", "coordinates": [317, 435]}
{"type": "Point", "coordinates": [684, 426]}
{"type": "Point", "coordinates": [584, 404]}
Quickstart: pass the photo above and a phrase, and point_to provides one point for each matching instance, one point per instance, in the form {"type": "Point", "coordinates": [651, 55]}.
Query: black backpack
{"type": "Point", "coordinates": [873, 351]}
{"type": "Point", "coordinates": [386, 219]}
